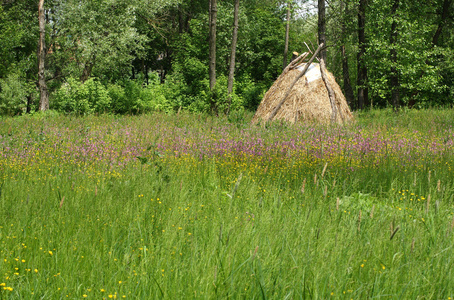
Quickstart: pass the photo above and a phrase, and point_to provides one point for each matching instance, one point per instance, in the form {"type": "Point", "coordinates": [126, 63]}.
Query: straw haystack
{"type": "Point", "coordinates": [307, 101]}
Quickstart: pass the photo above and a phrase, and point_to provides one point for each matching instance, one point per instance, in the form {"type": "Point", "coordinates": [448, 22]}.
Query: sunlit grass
{"type": "Point", "coordinates": [196, 207]}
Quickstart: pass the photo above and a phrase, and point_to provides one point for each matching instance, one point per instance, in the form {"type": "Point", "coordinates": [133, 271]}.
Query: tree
{"type": "Point", "coordinates": [212, 42]}
{"type": "Point", "coordinates": [43, 95]}
{"type": "Point", "coordinates": [152, 7]}
{"type": "Point", "coordinates": [233, 53]}
{"type": "Point", "coordinates": [97, 36]}
{"type": "Point", "coordinates": [445, 11]}
{"type": "Point", "coordinates": [362, 69]}
{"type": "Point", "coordinates": [345, 68]}
{"type": "Point", "coordinates": [287, 32]}
{"type": "Point", "coordinates": [394, 78]}
{"type": "Point", "coordinates": [322, 27]}
{"type": "Point", "coordinates": [19, 34]}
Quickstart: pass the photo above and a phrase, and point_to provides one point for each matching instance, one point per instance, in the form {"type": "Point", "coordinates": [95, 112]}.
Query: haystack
{"type": "Point", "coordinates": [308, 100]}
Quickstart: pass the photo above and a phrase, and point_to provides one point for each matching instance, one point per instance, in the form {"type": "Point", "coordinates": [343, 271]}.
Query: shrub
{"type": "Point", "coordinates": [82, 98]}
{"type": "Point", "coordinates": [133, 96]}
{"type": "Point", "coordinates": [14, 92]}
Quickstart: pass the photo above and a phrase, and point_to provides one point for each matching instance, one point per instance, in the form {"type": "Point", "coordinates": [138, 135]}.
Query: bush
{"type": "Point", "coordinates": [133, 96]}
{"type": "Point", "coordinates": [153, 97]}
{"type": "Point", "coordinates": [14, 94]}
{"type": "Point", "coordinates": [82, 98]}
{"type": "Point", "coordinates": [250, 92]}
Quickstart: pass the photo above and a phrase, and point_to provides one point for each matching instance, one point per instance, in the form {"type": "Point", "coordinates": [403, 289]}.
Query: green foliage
{"type": "Point", "coordinates": [123, 97]}
{"type": "Point", "coordinates": [258, 59]}
{"type": "Point", "coordinates": [98, 37]}
{"type": "Point", "coordinates": [198, 97]}
{"type": "Point", "coordinates": [133, 96]}
{"type": "Point", "coordinates": [419, 62]}
{"type": "Point", "coordinates": [249, 91]}
{"type": "Point", "coordinates": [81, 98]}
{"type": "Point", "coordinates": [118, 41]}
{"type": "Point", "coordinates": [152, 7]}
{"type": "Point", "coordinates": [266, 45]}
{"type": "Point", "coordinates": [18, 37]}
{"type": "Point", "coordinates": [14, 94]}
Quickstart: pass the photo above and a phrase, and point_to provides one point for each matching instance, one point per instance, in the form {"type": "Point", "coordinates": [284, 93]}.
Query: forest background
{"type": "Point", "coordinates": [118, 56]}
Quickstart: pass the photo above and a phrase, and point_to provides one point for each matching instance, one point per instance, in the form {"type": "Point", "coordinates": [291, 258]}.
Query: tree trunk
{"type": "Point", "coordinates": [331, 95]}
{"type": "Point", "coordinates": [287, 31]}
{"type": "Point", "coordinates": [362, 69]}
{"type": "Point", "coordinates": [233, 52]}
{"type": "Point", "coordinates": [394, 79]}
{"type": "Point", "coordinates": [322, 28]}
{"type": "Point", "coordinates": [145, 70]}
{"type": "Point", "coordinates": [87, 70]}
{"type": "Point", "coordinates": [29, 103]}
{"type": "Point", "coordinates": [43, 95]}
{"type": "Point", "coordinates": [444, 17]}
{"type": "Point", "coordinates": [349, 95]}
{"type": "Point", "coordinates": [212, 43]}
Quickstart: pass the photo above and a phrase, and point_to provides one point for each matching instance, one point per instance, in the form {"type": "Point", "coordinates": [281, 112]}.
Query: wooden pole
{"type": "Point", "coordinates": [332, 97]}
{"type": "Point", "coordinates": [276, 109]}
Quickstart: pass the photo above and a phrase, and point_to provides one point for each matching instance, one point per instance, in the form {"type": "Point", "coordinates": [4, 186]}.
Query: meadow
{"type": "Point", "coordinates": [188, 206]}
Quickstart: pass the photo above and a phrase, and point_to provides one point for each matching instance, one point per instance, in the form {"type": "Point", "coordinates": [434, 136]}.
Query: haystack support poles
{"type": "Point", "coordinates": [331, 95]}
{"type": "Point", "coordinates": [276, 109]}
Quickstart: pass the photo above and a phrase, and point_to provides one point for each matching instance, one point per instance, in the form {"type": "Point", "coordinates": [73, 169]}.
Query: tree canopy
{"type": "Point", "coordinates": [145, 55]}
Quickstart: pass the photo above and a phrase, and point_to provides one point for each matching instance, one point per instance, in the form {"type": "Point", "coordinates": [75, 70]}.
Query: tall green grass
{"type": "Point", "coordinates": [203, 230]}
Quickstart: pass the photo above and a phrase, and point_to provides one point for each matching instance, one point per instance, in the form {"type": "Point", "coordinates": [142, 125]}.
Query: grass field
{"type": "Point", "coordinates": [189, 206]}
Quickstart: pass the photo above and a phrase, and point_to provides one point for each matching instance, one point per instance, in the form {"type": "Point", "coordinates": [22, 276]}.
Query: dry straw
{"type": "Point", "coordinates": [428, 204]}
{"type": "Point", "coordinates": [307, 101]}
{"type": "Point", "coordinates": [303, 186]}
{"type": "Point", "coordinates": [324, 169]}
{"type": "Point", "coordinates": [255, 252]}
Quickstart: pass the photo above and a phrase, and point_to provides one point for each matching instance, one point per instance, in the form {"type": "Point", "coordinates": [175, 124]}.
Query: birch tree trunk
{"type": "Point", "coordinates": [349, 95]}
{"type": "Point", "coordinates": [212, 67]}
{"type": "Point", "coordinates": [362, 69]}
{"type": "Point", "coordinates": [322, 27]}
{"type": "Point", "coordinates": [287, 30]}
{"type": "Point", "coordinates": [43, 95]}
{"type": "Point", "coordinates": [212, 45]}
{"type": "Point", "coordinates": [233, 53]}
